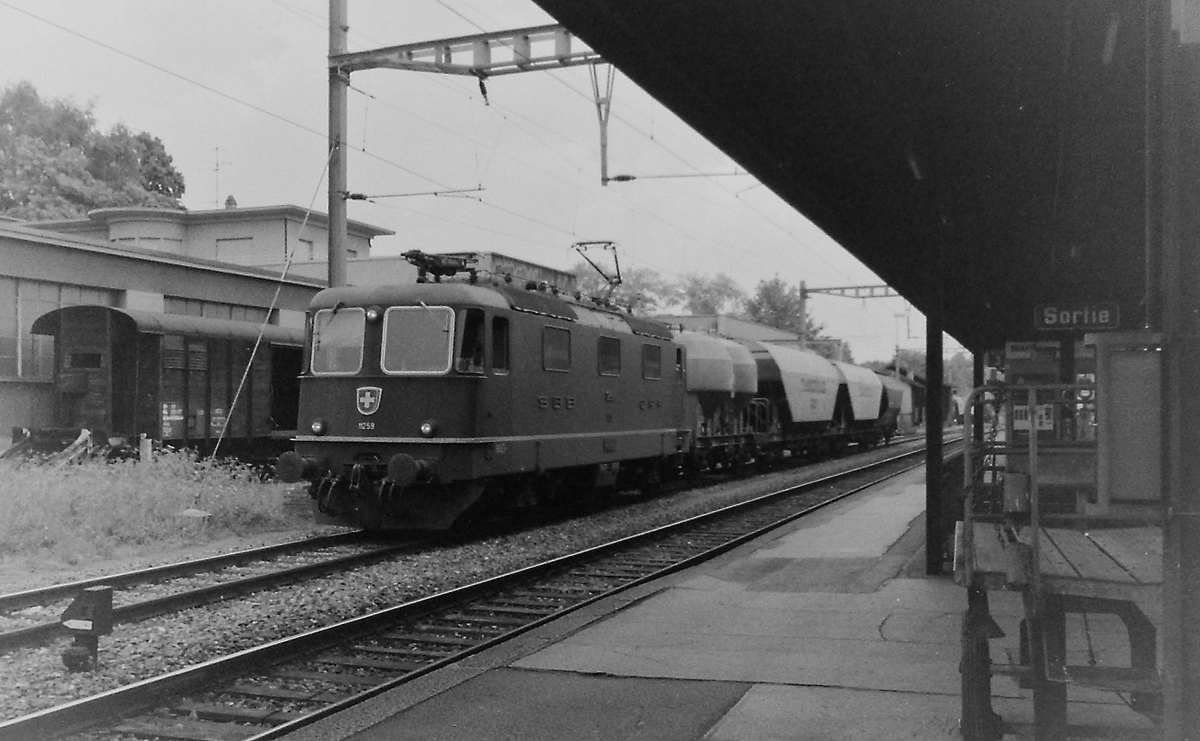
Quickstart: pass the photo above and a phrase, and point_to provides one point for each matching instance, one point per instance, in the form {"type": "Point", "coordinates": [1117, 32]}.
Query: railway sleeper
{"type": "Point", "coordinates": [367, 662]}
{"type": "Point", "coordinates": [434, 638]}
{"type": "Point", "coordinates": [394, 651]}
{"type": "Point", "coordinates": [186, 729]}
{"type": "Point", "coordinates": [330, 677]}
{"type": "Point", "coordinates": [228, 713]}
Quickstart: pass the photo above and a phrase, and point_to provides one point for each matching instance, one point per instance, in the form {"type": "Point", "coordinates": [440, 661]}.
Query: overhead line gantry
{"type": "Point", "coordinates": [481, 56]}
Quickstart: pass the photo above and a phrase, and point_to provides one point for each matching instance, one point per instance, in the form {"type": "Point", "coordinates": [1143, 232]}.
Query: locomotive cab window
{"type": "Point", "coordinates": [470, 349]}
{"type": "Point", "coordinates": [499, 345]}
{"type": "Point", "coordinates": [417, 339]}
{"type": "Point", "coordinates": [556, 349]}
{"type": "Point", "coordinates": [337, 341]}
{"type": "Point", "coordinates": [651, 362]}
{"type": "Point", "coordinates": [608, 356]}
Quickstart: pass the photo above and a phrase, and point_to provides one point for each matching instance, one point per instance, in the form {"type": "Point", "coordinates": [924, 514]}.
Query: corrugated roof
{"type": "Point", "coordinates": [190, 326]}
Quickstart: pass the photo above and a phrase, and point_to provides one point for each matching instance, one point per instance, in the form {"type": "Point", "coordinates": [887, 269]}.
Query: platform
{"type": "Point", "coordinates": [825, 629]}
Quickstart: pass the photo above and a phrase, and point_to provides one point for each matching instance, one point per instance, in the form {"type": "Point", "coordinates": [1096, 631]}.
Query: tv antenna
{"type": "Point", "coordinates": [217, 162]}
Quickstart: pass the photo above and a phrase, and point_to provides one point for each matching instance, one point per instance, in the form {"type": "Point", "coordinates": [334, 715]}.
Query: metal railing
{"type": "Point", "coordinates": [1038, 441]}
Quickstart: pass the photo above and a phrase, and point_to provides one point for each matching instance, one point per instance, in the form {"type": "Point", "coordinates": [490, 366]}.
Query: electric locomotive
{"type": "Point", "coordinates": [417, 401]}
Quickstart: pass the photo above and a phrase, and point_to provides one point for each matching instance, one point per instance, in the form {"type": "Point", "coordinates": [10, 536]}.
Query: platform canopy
{"type": "Point", "coordinates": [1008, 137]}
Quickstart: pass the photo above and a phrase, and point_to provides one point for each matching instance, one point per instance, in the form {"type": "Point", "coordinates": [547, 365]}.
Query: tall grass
{"type": "Point", "coordinates": [97, 509]}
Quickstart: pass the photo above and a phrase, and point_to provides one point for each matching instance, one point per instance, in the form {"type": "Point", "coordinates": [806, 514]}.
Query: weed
{"type": "Point", "coordinates": [96, 509]}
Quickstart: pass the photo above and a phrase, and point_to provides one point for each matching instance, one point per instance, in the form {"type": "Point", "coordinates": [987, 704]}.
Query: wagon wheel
{"type": "Point", "coordinates": [979, 722]}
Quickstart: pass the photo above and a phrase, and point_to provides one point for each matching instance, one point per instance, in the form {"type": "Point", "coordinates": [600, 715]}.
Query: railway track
{"type": "Point", "coordinates": [29, 617]}
{"type": "Point", "coordinates": [268, 691]}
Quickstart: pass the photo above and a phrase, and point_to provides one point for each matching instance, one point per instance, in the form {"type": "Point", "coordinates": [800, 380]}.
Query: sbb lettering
{"type": "Point", "coordinates": [556, 402]}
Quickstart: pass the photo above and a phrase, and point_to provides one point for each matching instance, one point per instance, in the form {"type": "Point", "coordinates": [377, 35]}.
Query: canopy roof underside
{"type": "Point", "coordinates": [1007, 137]}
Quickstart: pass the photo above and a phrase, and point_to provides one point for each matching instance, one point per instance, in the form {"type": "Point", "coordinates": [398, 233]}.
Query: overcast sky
{"type": "Point", "coordinates": [237, 91]}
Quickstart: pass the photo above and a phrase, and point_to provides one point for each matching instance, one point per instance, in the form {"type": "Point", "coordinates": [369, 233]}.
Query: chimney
{"type": "Point", "coordinates": [230, 202]}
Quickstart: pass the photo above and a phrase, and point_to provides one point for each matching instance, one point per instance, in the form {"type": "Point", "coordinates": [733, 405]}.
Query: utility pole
{"type": "Point", "coordinates": [339, 84]}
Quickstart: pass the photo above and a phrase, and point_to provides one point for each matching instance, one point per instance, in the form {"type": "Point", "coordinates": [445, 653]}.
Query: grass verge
{"type": "Point", "coordinates": [94, 509]}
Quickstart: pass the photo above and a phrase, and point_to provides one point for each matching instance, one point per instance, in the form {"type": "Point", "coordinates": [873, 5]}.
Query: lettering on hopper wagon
{"type": "Point", "coordinates": [1085, 316]}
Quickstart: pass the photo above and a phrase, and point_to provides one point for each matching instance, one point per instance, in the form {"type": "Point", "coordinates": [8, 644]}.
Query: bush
{"type": "Point", "coordinates": [98, 509]}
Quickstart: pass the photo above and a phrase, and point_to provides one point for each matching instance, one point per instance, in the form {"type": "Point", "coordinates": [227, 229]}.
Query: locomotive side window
{"type": "Point", "coordinates": [470, 350]}
{"type": "Point", "coordinates": [556, 349]}
{"type": "Point", "coordinates": [337, 341]}
{"type": "Point", "coordinates": [499, 345]}
{"type": "Point", "coordinates": [651, 362]}
{"type": "Point", "coordinates": [418, 339]}
{"type": "Point", "coordinates": [608, 356]}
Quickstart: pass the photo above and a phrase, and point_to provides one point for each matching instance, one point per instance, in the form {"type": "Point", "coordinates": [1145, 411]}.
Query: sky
{"type": "Point", "coordinates": [237, 91]}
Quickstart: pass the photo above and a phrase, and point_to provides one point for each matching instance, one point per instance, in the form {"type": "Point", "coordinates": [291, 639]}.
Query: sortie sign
{"type": "Point", "coordinates": [1076, 316]}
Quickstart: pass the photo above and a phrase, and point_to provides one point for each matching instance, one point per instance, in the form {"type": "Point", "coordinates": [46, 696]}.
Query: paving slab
{"type": "Point", "coordinates": [532, 706]}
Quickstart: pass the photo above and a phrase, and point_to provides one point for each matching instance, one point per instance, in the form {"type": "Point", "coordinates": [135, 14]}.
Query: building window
{"type": "Point", "coordinates": [238, 249]}
{"type": "Point", "coordinates": [308, 248]}
{"type": "Point", "coordinates": [217, 310]}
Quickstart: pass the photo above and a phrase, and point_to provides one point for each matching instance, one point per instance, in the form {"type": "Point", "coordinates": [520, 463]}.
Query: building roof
{"type": "Point", "coordinates": [210, 216]}
{"type": "Point", "coordinates": [27, 233]}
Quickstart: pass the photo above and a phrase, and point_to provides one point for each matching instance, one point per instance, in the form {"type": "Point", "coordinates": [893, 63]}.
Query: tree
{"type": "Point", "coordinates": [703, 295]}
{"type": "Point", "coordinates": [55, 164]}
{"type": "Point", "coordinates": [776, 304]}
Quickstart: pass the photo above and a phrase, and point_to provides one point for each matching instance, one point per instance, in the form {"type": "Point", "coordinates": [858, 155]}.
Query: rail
{"type": "Point", "coordinates": [608, 568]}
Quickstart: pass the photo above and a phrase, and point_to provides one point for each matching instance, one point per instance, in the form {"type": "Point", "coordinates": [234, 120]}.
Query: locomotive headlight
{"type": "Point", "coordinates": [318, 427]}
{"type": "Point", "coordinates": [373, 314]}
{"type": "Point", "coordinates": [428, 428]}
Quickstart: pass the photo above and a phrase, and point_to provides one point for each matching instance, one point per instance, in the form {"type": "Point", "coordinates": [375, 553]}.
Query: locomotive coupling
{"type": "Point", "coordinates": [291, 467]}
{"type": "Point", "coordinates": [403, 469]}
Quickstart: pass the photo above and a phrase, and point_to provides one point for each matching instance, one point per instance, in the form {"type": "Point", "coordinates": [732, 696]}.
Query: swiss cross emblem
{"type": "Point", "coordinates": [368, 399]}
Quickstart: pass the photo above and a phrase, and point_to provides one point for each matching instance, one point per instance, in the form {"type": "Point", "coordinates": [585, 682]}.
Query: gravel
{"type": "Point", "coordinates": [35, 678]}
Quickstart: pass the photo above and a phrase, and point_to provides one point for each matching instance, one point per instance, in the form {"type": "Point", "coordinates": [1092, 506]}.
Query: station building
{"type": "Point", "coordinates": [169, 273]}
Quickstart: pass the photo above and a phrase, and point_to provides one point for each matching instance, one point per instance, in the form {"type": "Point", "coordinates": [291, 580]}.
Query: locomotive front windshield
{"type": "Point", "coordinates": [417, 339]}
{"type": "Point", "coordinates": [337, 341]}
